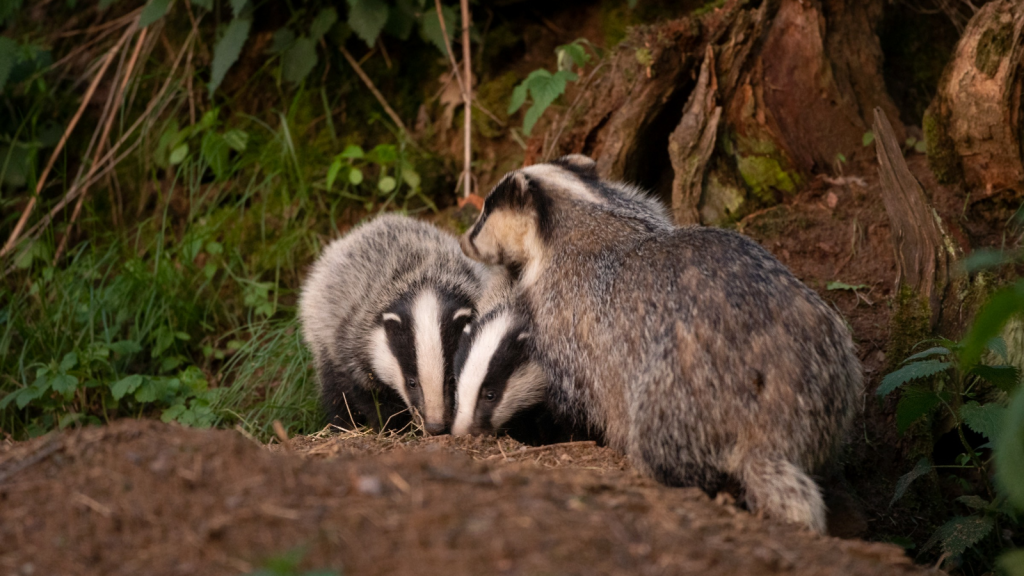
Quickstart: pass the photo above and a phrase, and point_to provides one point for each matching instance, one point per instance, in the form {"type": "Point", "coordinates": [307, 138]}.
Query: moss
{"type": "Point", "coordinates": [494, 96]}
{"type": "Point", "coordinates": [644, 57]}
{"type": "Point", "coordinates": [993, 45]}
{"type": "Point", "coordinates": [909, 324]}
{"type": "Point", "coordinates": [761, 174]}
{"type": "Point", "coordinates": [942, 156]}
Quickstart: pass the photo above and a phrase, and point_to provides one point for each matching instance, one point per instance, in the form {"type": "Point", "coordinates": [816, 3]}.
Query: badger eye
{"type": "Point", "coordinates": [411, 383]}
{"type": "Point", "coordinates": [490, 395]}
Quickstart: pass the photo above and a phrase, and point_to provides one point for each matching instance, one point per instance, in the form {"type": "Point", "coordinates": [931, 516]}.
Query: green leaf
{"type": "Point", "coordinates": [214, 248]}
{"type": "Point", "coordinates": [227, 50]}
{"type": "Point", "coordinates": [844, 286]}
{"type": "Point", "coordinates": [571, 54]}
{"type": "Point", "coordinates": [984, 258]}
{"type": "Point", "coordinates": [125, 347]}
{"type": "Point", "coordinates": [8, 58]}
{"type": "Point", "coordinates": [430, 26]}
{"type": "Point", "coordinates": [960, 533]}
{"type": "Point", "coordinates": [126, 386]}
{"type": "Point", "coordinates": [1003, 377]}
{"type": "Point", "coordinates": [207, 4]}
{"type": "Point", "coordinates": [1012, 562]}
{"type": "Point", "coordinates": [1009, 452]}
{"type": "Point", "coordinates": [151, 390]}
{"type": "Point", "coordinates": [989, 321]}
{"type": "Point", "coordinates": [26, 395]}
{"type": "Point", "coordinates": [386, 184]}
{"type": "Point", "coordinates": [64, 384]}
{"type": "Point", "coordinates": [237, 6]}
{"type": "Point", "coordinates": [283, 40]}
{"type": "Point", "coordinates": [913, 405]}
{"type": "Point", "coordinates": [922, 467]}
{"type": "Point", "coordinates": [173, 413]}
{"type": "Point", "coordinates": [998, 346]}
{"type": "Point", "coordinates": [332, 173]}
{"type": "Point", "coordinates": [411, 177]}
{"type": "Point", "coordinates": [153, 11]}
{"type": "Point", "coordinates": [367, 19]}
{"type": "Point", "coordinates": [355, 176]}
{"type": "Point", "coordinates": [401, 19]}
{"type": "Point", "coordinates": [352, 152]}
{"type": "Point", "coordinates": [178, 154]}
{"type": "Point", "coordinates": [383, 154]}
{"type": "Point", "coordinates": [921, 147]}
{"type": "Point", "coordinates": [215, 152]}
{"type": "Point", "coordinates": [894, 380]}
{"type": "Point", "coordinates": [236, 139]}
{"type": "Point", "coordinates": [69, 361]}
{"type": "Point", "coordinates": [984, 419]}
{"type": "Point", "coordinates": [322, 23]}
{"type": "Point", "coordinates": [935, 351]}
{"type": "Point", "coordinates": [974, 501]}
{"type": "Point", "coordinates": [299, 60]}
{"type": "Point", "coordinates": [544, 88]}
{"type": "Point", "coordinates": [518, 97]}
{"type": "Point", "coordinates": [867, 139]}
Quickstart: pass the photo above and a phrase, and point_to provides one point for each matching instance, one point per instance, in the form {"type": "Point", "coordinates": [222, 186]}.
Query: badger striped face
{"type": "Point", "coordinates": [412, 350]}
{"type": "Point", "coordinates": [511, 226]}
{"type": "Point", "coordinates": [496, 377]}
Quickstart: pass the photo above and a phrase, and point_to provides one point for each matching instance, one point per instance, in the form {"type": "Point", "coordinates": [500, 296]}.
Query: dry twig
{"type": "Point", "coordinates": [376, 93]}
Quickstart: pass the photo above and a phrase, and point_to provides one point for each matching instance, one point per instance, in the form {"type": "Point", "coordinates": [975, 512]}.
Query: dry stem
{"type": "Point", "coordinates": [376, 93]}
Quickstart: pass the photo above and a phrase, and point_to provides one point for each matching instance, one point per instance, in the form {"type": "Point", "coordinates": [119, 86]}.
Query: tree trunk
{"type": "Point", "coordinates": [796, 80]}
{"type": "Point", "coordinates": [973, 125]}
{"type": "Point", "coordinates": [922, 248]}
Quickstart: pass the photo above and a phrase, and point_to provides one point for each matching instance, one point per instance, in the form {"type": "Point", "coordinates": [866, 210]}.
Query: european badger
{"type": "Point", "coordinates": [496, 376]}
{"type": "Point", "coordinates": [383, 310]}
{"type": "Point", "coordinates": [691, 349]}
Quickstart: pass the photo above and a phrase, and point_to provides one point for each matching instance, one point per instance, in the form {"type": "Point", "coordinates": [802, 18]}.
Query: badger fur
{"type": "Point", "coordinates": [497, 377]}
{"type": "Point", "coordinates": [383, 310]}
{"type": "Point", "coordinates": [692, 350]}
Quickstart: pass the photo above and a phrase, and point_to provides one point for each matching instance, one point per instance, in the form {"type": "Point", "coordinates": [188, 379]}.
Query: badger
{"type": "Point", "coordinates": [497, 377]}
{"type": "Point", "coordinates": [690, 349]}
{"type": "Point", "coordinates": [382, 310]}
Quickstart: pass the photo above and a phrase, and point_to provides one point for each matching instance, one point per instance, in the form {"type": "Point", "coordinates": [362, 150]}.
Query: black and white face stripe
{"type": "Point", "coordinates": [496, 377]}
{"type": "Point", "coordinates": [412, 349]}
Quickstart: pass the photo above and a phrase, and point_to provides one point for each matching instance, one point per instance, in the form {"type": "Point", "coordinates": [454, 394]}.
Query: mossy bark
{"type": "Point", "coordinates": [796, 80]}
{"type": "Point", "coordinates": [973, 126]}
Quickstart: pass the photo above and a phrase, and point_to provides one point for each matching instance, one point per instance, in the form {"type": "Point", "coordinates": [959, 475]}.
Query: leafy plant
{"type": "Point", "coordinates": [543, 87]}
{"type": "Point", "coordinates": [393, 170]}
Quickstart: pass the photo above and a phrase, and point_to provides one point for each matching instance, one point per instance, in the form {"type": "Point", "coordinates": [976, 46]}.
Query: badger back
{"type": "Point", "coordinates": [497, 377]}
{"type": "Point", "coordinates": [384, 307]}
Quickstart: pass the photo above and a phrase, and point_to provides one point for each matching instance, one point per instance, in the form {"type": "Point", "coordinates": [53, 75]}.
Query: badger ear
{"type": "Point", "coordinates": [522, 336]}
{"type": "Point", "coordinates": [513, 190]}
{"type": "Point", "coordinates": [391, 317]}
{"type": "Point", "coordinates": [580, 165]}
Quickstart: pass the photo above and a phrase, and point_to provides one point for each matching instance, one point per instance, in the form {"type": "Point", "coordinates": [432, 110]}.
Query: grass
{"type": "Point", "coordinates": [176, 296]}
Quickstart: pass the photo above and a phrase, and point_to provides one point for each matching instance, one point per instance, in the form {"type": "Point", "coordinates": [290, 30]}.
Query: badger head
{"type": "Point", "coordinates": [496, 377]}
{"type": "Point", "coordinates": [412, 348]}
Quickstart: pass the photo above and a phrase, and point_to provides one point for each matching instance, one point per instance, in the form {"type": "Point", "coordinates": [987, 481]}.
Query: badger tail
{"type": "Point", "coordinates": [781, 490]}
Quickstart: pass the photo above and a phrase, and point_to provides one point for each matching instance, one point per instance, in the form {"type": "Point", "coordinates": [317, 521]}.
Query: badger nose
{"type": "Point", "coordinates": [434, 429]}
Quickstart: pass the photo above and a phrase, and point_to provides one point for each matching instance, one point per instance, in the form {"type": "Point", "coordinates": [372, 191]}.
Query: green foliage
{"type": "Point", "coordinates": [227, 50]}
{"type": "Point", "coordinates": [395, 174]}
{"type": "Point", "coordinates": [835, 285]}
{"type": "Point", "coordinates": [949, 378]}
{"type": "Point", "coordinates": [543, 87]}
{"type": "Point", "coordinates": [287, 564]}
{"type": "Point", "coordinates": [153, 11]}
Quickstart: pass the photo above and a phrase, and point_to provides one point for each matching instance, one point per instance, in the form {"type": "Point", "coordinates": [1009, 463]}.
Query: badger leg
{"type": "Point", "coordinates": [782, 490]}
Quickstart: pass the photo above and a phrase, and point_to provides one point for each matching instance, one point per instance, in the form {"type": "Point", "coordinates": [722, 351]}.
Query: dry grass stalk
{"type": "Point", "coordinates": [376, 93]}
{"type": "Point", "coordinates": [20, 226]}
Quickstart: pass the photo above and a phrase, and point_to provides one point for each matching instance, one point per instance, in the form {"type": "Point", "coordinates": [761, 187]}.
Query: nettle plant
{"type": "Point", "coordinates": [964, 386]}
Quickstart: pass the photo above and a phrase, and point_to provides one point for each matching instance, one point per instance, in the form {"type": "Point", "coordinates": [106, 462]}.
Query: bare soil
{"type": "Point", "coordinates": [144, 497]}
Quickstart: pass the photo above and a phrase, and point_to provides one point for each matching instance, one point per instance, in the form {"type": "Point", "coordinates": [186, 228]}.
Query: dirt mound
{"type": "Point", "coordinates": [144, 497]}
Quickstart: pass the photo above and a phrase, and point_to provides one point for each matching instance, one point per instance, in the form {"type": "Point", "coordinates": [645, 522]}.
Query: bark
{"type": "Point", "coordinates": [973, 125]}
{"type": "Point", "coordinates": [692, 142]}
{"type": "Point", "coordinates": [922, 248]}
{"type": "Point", "coordinates": [796, 80]}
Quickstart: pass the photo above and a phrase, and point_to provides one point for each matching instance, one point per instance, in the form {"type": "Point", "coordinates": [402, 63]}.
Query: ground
{"type": "Point", "coordinates": [146, 497]}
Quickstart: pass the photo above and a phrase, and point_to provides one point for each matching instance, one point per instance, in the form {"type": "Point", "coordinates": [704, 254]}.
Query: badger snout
{"type": "Point", "coordinates": [433, 429]}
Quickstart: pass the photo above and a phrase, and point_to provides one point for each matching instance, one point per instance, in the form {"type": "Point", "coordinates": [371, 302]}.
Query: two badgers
{"type": "Point", "coordinates": [692, 350]}
{"type": "Point", "coordinates": [383, 310]}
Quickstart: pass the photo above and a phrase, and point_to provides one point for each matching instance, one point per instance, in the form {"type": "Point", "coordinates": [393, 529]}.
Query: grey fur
{"type": "Point", "coordinates": [355, 280]}
{"type": "Point", "coordinates": [692, 350]}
